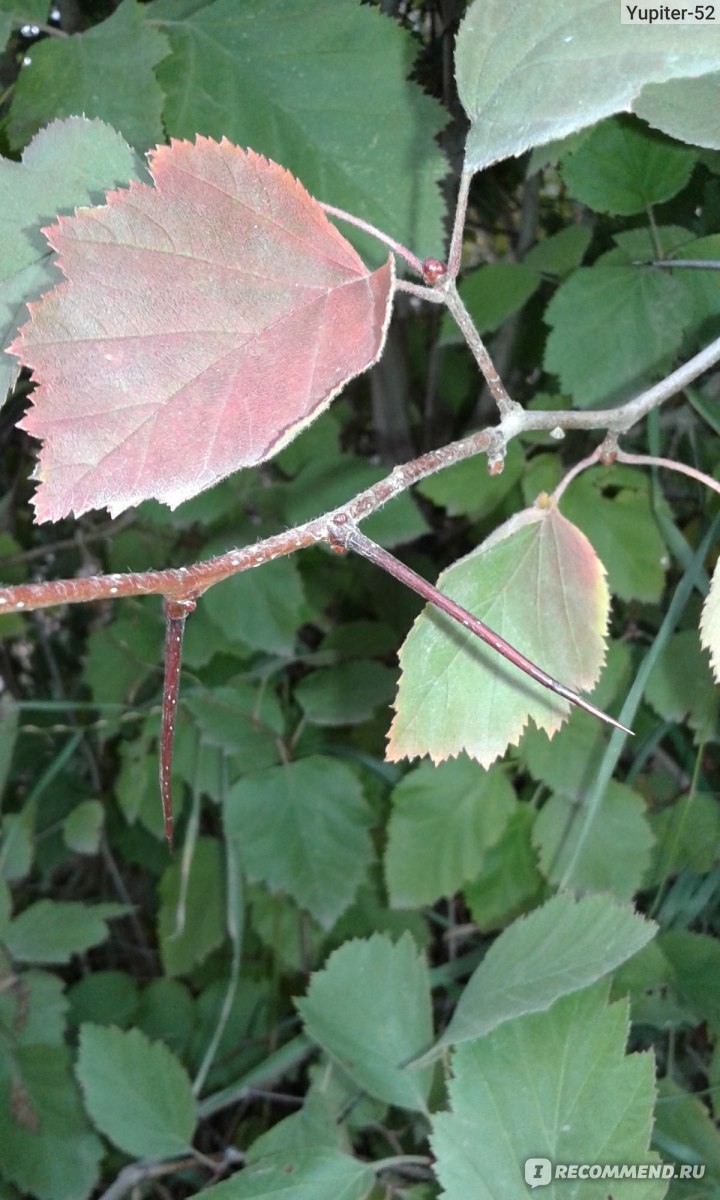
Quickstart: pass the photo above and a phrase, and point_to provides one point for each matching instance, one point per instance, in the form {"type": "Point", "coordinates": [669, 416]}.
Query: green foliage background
{"type": "Point", "coordinates": [257, 996]}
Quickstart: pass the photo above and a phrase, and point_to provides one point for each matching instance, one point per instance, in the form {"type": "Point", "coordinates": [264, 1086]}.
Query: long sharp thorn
{"type": "Point", "coordinates": [344, 533]}
{"type": "Point", "coordinates": [176, 614]}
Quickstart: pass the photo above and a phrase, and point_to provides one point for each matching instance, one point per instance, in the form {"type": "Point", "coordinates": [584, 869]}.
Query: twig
{"type": "Point", "coordinates": [187, 583]}
{"type": "Point", "coordinates": [478, 349]}
{"type": "Point", "coordinates": [136, 1172]}
{"type": "Point", "coordinates": [652, 460]}
{"type": "Point", "coordinates": [702, 264]}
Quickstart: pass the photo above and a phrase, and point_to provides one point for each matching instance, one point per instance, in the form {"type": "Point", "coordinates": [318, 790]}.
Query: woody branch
{"type": "Point", "coordinates": [187, 583]}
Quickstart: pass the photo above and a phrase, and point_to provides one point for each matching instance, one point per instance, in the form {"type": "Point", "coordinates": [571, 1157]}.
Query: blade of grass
{"type": "Point", "coordinates": [615, 745]}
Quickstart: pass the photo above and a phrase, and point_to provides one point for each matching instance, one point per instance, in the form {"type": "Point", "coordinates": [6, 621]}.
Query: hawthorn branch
{"type": "Point", "coordinates": [187, 583]}
{"type": "Point", "coordinates": [479, 352]}
{"type": "Point", "coordinates": [183, 584]}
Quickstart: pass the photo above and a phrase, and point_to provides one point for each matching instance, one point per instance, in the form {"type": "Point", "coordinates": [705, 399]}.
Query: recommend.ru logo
{"type": "Point", "coordinates": [541, 1171]}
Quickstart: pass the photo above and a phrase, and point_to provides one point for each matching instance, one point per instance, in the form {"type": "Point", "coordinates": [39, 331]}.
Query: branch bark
{"type": "Point", "coordinates": [187, 583]}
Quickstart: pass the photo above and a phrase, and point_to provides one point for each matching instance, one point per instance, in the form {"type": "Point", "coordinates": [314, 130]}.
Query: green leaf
{"type": "Point", "coordinates": [622, 528]}
{"type": "Point", "coordinates": [136, 1091]}
{"type": "Point", "coordinates": [9, 720]}
{"type": "Point", "coordinates": [703, 284]}
{"type": "Point", "coordinates": [538, 554]}
{"type": "Point", "coordinates": [270, 71]}
{"type": "Point", "coordinates": [468, 488]}
{"type": "Point", "coordinates": [247, 1031]}
{"type": "Point", "coordinates": [244, 722]}
{"type": "Point", "coordinates": [687, 837]}
{"type": "Point", "coordinates": [492, 293]}
{"type": "Point", "coordinates": [35, 1008]}
{"type": "Point", "coordinates": [5, 907]}
{"type": "Point", "coordinates": [684, 108]}
{"type": "Point", "coordinates": [51, 931]}
{"type": "Point", "coordinates": [191, 915]}
{"type": "Point", "coordinates": [46, 1145]}
{"type": "Point", "coordinates": [615, 853]}
{"type": "Point", "coordinates": [554, 1086]}
{"type": "Point", "coordinates": [18, 842]}
{"type": "Point", "coordinates": [696, 960]}
{"type": "Point", "coordinates": [570, 760]}
{"type": "Point", "coordinates": [70, 163]}
{"type": "Point", "coordinates": [106, 72]}
{"type": "Point", "coordinates": [370, 913]}
{"type": "Point", "coordinates": [166, 1013]}
{"type": "Point", "coordinates": [613, 330]}
{"type": "Point", "coordinates": [681, 684]}
{"type": "Point", "coordinates": [123, 653]}
{"type": "Point", "coordinates": [302, 829]}
{"type": "Point", "coordinates": [650, 981]}
{"type": "Point", "coordinates": [509, 882]}
{"type": "Point", "coordinates": [370, 1010]}
{"type": "Point", "coordinates": [561, 252]}
{"type": "Point", "coordinates": [623, 167]}
{"type": "Point", "coordinates": [14, 13]}
{"type": "Point", "coordinates": [443, 820]}
{"type": "Point", "coordinates": [345, 694]}
{"type": "Point", "coordinates": [684, 1132]}
{"type": "Point", "coordinates": [291, 935]}
{"type": "Point", "coordinates": [261, 609]}
{"type": "Point", "coordinates": [315, 1174]}
{"type": "Point", "coordinates": [557, 949]}
{"type": "Point", "coordinates": [315, 1126]}
{"type": "Point", "coordinates": [397, 522]}
{"type": "Point", "coordinates": [705, 405]}
{"type": "Point", "coordinates": [83, 826]}
{"type": "Point", "coordinates": [525, 74]}
{"type": "Point", "coordinates": [105, 998]}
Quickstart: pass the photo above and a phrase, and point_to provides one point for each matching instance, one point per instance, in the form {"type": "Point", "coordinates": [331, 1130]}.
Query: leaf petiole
{"type": "Point", "coordinates": [410, 258]}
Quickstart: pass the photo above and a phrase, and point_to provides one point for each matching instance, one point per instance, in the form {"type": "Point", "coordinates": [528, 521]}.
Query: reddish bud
{"type": "Point", "coordinates": [433, 270]}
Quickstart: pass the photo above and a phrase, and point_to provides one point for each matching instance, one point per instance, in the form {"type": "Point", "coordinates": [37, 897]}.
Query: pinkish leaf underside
{"type": "Point", "coordinates": [204, 322]}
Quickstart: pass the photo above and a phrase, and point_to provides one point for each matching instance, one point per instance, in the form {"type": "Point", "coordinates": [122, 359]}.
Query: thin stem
{"type": "Point", "coordinates": [703, 264]}
{"type": "Point", "coordinates": [398, 1161]}
{"type": "Point", "coordinates": [478, 349]}
{"type": "Point", "coordinates": [235, 923]}
{"type": "Point", "coordinates": [627, 414]}
{"type": "Point", "coordinates": [277, 1065]}
{"type": "Point", "coordinates": [176, 614]}
{"type": "Point", "coordinates": [432, 295]}
{"type": "Point", "coordinates": [654, 236]}
{"type": "Point", "coordinates": [577, 470]}
{"type": "Point", "coordinates": [456, 239]}
{"type": "Point", "coordinates": [398, 247]}
{"type": "Point", "coordinates": [346, 535]}
{"type": "Point", "coordinates": [652, 460]}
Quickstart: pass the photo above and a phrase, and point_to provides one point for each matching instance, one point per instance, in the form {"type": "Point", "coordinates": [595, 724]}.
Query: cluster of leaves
{"type": "Point", "coordinates": [169, 1011]}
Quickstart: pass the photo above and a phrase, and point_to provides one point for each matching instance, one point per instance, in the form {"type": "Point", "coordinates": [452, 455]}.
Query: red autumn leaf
{"type": "Point", "coordinates": [205, 321]}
